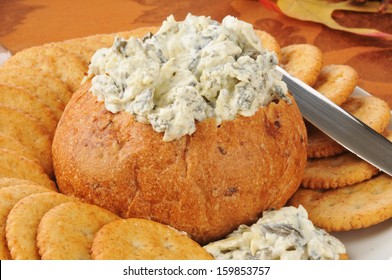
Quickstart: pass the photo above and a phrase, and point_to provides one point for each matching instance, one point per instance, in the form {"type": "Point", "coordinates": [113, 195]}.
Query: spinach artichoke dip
{"type": "Point", "coordinates": [188, 71]}
{"type": "Point", "coordinates": [280, 234]}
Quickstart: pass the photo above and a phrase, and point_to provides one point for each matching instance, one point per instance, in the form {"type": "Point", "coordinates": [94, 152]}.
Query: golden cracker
{"type": "Point", "coordinates": [23, 220]}
{"type": "Point", "coordinates": [30, 133]}
{"type": "Point", "coordinates": [303, 61]}
{"type": "Point", "coordinates": [49, 81]}
{"type": "Point", "coordinates": [336, 82]}
{"type": "Point", "coordinates": [54, 60]}
{"type": "Point", "coordinates": [24, 101]}
{"type": "Point", "coordinates": [38, 88]}
{"type": "Point", "coordinates": [10, 143]}
{"type": "Point", "coordinates": [84, 47]}
{"type": "Point", "coordinates": [67, 231]}
{"type": "Point", "coordinates": [337, 171]}
{"type": "Point", "coordinates": [78, 47]}
{"type": "Point", "coordinates": [321, 145]}
{"type": "Point", "coordinates": [269, 43]}
{"type": "Point", "coordinates": [371, 110]}
{"type": "Point", "coordinates": [141, 239]}
{"type": "Point", "coordinates": [9, 181]}
{"type": "Point", "coordinates": [357, 206]}
{"type": "Point", "coordinates": [15, 165]}
{"type": "Point", "coordinates": [8, 198]}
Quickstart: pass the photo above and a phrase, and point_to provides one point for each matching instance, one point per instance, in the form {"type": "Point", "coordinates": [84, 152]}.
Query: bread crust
{"type": "Point", "coordinates": [205, 184]}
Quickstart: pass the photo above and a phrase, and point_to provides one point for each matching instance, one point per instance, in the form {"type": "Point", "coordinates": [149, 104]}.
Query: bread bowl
{"type": "Point", "coordinates": [206, 182]}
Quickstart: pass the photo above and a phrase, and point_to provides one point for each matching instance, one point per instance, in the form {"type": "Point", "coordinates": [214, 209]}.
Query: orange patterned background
{"type": "Point", "coordinates": [25, 23]}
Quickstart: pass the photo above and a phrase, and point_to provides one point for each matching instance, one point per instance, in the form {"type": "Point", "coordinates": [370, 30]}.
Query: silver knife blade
{"type": "Point", "coordinates": [340, 125]}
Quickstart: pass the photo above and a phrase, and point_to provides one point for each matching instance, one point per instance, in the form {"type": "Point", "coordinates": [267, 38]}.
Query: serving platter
{"type": "Point", "coordinates": [373, 243]}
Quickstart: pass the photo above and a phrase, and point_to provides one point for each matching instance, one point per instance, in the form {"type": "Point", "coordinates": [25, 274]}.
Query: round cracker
{"type": "Point", "coordinates": [357, 206]}
{"type": "Point", "coordinates": [30, 133]}
{"type": "Point", "coordinates": [15, 165]}
{"type": "Point", "coordinates": [52, 59]}
{"type": "Point", "coordinates": [371, 110]}
{"type": "Point", "coordinates": [303, 61]}
{"type": "Point", "coordinates": [336, 82]}
{"type": "Point", "coordinates": [23, 220]}
{"type": "Point", "coordinates": [77, 46]}
{"type": "Point", "coordinates": [66, 231]}
{"type": "Point", "coordinates": [36, 87]}
{"type": "Point", "coordinates": [8, 198]}
{"type": "Point", "coordinates": [9, 181]}
{"type": "Point", "coordinates": [49, 81]}
{"type": "Point", "coordinates": [10, 143]}
{"type": "Point", "coordinates": [24, 101]}
{"type": "Point", "coordinates": [269, 43]}
{"type": "Point", "coordinates": [337, 171]}
{"type": "Point", "coordinates": [321, 145]}
{"type": "Point", "coordinates": [141, 239]}
{"type": "Point", "coordinates": [84, 47]}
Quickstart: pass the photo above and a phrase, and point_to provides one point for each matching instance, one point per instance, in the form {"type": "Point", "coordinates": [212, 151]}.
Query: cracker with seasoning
{"type": "Point", "coordinates": [337, 171]}
{"type": "Point", "coordinates": [13, 164]}
{"type": "Point", "coordinates": [356, 206]}
{"type": "Point", "coordinates": [22, 100]}
{"type": "Point", "coordinates": [37, 86]}
{"type": "Point", "coordinates": [66, 66]}
{"type": "Point", "coordinates": [23, 220]}
{"type": "Point", "coordinates": [8, 198]}
{"type": "Point", "coordinates": [10, 143]}
{"type": "Point", "coordinates": [303, 61]}
{"type": "Point", "coordinates": [30, 133]}
{"type": "Point", "coordinates": [36, 79]}
{"type": "Point", "coordinates": [141, 239]}
{"type": "Point", "coordinates": [10, 181]}
{"type": "Point", "coordinates": [336, 82]}
{"type": "Point", "coordinates": [66, 231]}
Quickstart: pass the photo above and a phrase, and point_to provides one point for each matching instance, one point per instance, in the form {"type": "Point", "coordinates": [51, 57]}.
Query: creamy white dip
{"type": "Point", "coordinates": [187, 72]}
{"type": "Point", "coordinates": [280, 234]}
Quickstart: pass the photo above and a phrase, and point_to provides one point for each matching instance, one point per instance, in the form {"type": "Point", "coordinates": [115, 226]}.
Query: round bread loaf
{"type": "Point", "coordinates": [205, 184]}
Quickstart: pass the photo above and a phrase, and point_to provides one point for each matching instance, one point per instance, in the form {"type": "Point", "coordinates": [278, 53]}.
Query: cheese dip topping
{"type": "Point", "coordinates": [188, 71]}
{"type": "Point", "coordinates": [281, 234]}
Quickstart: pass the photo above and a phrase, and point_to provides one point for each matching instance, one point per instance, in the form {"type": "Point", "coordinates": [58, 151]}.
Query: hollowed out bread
{"type": "Point", "coordinates": [206, 184]}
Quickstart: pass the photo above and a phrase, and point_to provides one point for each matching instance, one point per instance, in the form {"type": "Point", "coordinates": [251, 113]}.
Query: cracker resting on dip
{"type": "Point", "coordinates": [190, 126]}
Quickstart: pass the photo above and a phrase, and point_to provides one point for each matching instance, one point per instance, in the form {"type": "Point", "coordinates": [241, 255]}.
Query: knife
{"type": "Point", "coordinates": [340, 125]}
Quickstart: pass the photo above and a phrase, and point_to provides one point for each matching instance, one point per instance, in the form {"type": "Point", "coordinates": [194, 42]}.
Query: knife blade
{"type": "Point", "coordinates": [340, 125]}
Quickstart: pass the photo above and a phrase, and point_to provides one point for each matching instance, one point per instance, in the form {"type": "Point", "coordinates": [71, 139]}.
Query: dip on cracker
{"type": "Point", "coordinates": [281, 234]}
